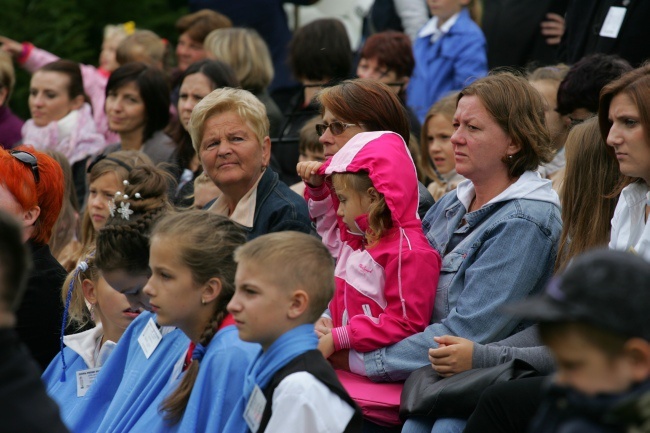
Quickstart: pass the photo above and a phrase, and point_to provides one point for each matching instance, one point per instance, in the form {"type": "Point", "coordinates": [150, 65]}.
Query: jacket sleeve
{"type": "Point", "coordinates": [34, 58]}
{"type": "Point", "coordinates": [471, 61]}
{"type": "Point", "coordinates": [406, 313]}
{"type": "Point", "coordinates": [322, 206]}
{"type": "Point", "coordinates": [492, 280]}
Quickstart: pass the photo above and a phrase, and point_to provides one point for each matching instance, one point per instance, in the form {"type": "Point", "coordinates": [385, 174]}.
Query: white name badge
{"type": "Point", "coordinates": [255, 409]}
{"type": "Point", "coordinates": [613, 22]}
{"type": "Point", "coordinates": [150, 338]}
{"type": "Point", "coordinates": [85, 378]}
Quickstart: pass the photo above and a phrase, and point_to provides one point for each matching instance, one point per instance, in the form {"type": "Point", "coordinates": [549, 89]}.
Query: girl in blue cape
{"type": "Point", "coordinates": [134, 374]}
{"type": "Point", "coordinates": [190, 287]}
{"type": "Point", "coordinates": [73, 370]}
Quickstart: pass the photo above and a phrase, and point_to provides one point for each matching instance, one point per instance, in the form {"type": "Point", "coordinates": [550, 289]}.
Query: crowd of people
{"type": "Point", "coordinates": [223, 247]}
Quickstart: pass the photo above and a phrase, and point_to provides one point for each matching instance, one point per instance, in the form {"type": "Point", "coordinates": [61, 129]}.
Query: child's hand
{"type": "Point", "coordinates": [10, 46]}
{"type": "Point", "coordinates": [553, 28]}
{"type": "Point", "coordinates": [326, 345]}
{"type": "Point", "coordinates": [323, 326]}
{"type": "Point", "coordinates": [453, 355]}
{"type": "Point", "coordinates": [307, 171]}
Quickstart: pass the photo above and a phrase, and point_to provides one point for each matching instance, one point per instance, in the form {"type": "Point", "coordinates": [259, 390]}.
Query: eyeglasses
{"type": "Point", "coordinates": [28, 159]}
{"type": "Point", "coordinates": [336, 128]}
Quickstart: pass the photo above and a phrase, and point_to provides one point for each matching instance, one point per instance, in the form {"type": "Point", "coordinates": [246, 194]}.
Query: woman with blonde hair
{"type": "Point", "coordinates": [249, 57]}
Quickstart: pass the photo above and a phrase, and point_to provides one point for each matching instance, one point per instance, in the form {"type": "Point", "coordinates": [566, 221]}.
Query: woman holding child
{"type": "Point", "coordinates": [503, 212]}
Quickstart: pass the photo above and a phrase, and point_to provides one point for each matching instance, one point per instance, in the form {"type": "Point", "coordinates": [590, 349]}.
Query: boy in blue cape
{"type": "Point", "coordinates": [284, 282]}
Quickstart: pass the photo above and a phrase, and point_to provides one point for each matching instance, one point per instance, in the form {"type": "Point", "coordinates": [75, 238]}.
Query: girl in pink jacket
{"type": "Point", "coordinates": [366, 213]}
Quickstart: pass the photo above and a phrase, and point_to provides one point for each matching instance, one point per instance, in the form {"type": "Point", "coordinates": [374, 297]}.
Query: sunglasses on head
{"type": "Point", "coordinates": [336, 128]}
{"type": "Point", "coordinates": [27, 159]}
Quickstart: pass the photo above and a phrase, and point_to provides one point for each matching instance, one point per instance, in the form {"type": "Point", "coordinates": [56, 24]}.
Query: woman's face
{"type": "Point", "coordinates": [49, 100]}
{"type": "Point", "coordinates": [333, 143]}
{"type": "Point", "coordinates": [125, 109]}
{"type": "Point", "coordinates": [556, 125]}
{"type": "Point", "coordinates": [628, 137]}
{"type": "Point", "coordinates": [441, 151]}
{"type": "Point", "coordinates": [231, 153]}
{"type": "Point", "coordinates": [480, 145]}
{"type": "Point", "coordinates": [100, 192]}
{"type": "Point", "coordinates": [194, 88]}
{"type": "Point", "coordinates": [188, 51]}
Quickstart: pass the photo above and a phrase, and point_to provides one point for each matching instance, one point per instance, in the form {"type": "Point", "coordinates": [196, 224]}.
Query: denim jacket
{"type": "Point", "coordinates": [503, 253]}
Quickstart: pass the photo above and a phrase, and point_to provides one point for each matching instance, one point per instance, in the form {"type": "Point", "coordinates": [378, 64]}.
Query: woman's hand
{"type": "Point", "coordinates": [453, 355]}
{"type": "Point", "coordinates": [326, 345]}
{"type": "Point", "coordinates": [553, 28]}
{"type": "Point", "coordinates": [307, 171]}
{"type": "Point", "coordinates": [10, 46]}
{"type": "Point", "coordinates": [323, 326]}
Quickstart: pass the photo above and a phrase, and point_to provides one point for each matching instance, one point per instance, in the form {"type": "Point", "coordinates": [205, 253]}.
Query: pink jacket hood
{"type": "Point", "coordinates": [385, 157]}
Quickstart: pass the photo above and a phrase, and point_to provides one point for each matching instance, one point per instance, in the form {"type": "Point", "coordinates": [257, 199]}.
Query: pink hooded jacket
{"type": "Point", "coordinates": [384, 293]}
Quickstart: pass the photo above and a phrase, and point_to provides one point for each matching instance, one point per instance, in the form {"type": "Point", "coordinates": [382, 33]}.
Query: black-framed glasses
{"type": "Point", "coordinates": [27, 159]}
{"type": "Point", "coordinates": [336, 128]}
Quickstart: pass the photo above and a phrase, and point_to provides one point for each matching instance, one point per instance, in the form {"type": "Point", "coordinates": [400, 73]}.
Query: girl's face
{"type": "Point", "coordinates": [352, 205]}
{"type": "Point", "coordinates": [125, 109]}
{"type": "Point", "coordinates": [173, 294]}
{"type": "Point", "coordinates": [556, 125]}
{"type": "Point", "coordinates": [113, 308]}
{"type": "Point", "coordinates": [445, 9]}
{"type": "Point", "coordinates": [194, 88]}
{"type": "Point", "coordinates": [628, 137]}
{"type": "Point", "coordinates": [100, 193]}
{"type": "Point", "coordinates": [49, 100]}
{"type": "Point", "coordinates": [130, 284]}
{"type": "Point", "coordinates": [333, 143]}
{"type": "Point", "coordinates": [107, 60]}
{"type": "Point", "coordinates": [441, 151]}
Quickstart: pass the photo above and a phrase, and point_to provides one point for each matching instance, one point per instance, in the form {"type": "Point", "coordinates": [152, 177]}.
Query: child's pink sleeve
{"type": "Point", "coordinates": [33, 58]}
{"type": "Point", "coordinates": [323, 211]}
{"type": "Point", "coordinates": [405, 314]}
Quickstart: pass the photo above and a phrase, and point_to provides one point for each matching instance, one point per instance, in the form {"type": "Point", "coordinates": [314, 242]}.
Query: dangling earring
{"type": "Point", "coordinates": [92, 312]}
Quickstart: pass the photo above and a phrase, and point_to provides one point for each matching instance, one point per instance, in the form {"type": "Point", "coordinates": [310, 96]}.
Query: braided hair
{"type": "Point", "coordinates": [124, 242]}
{"type": "Point", "coordinates": [205, 243]}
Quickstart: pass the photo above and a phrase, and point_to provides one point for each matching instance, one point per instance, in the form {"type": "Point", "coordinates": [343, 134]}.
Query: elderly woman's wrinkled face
{"type": "Point", "coordinates": [231, 153]}
{"type": "Point", "coordinates": [480, 145]}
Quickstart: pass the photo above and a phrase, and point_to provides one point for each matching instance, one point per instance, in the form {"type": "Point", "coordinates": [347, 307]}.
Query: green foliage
{"type": "Point", "coordinates": [73, 29]}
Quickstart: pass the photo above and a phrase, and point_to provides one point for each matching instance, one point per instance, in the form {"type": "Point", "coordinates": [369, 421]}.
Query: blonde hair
{"type": "Point", "coordinates": [141, 46]}
{"type": "Point", "coordinates": [246, 53]}
{"type": "Point", "coordinates": [445, 107]}
{"type": "Point", "coordinates": [204, 242]}
{"type": "Point", "coordinates": [242, 102]}
{"type": "Point", "coordinates": [294, 261]}
{"type": "Point", "coordinates": [119, 31]}
{"type": "Point", "coordinates": [549, 73]}
{"type": "Point", "coordinates": [7, 75]}
{"type": "Point", "coordinates": [77, 310]}
{"type": "Point", "coordinates": [591, 174]}
{"type": "Point", "coordinates": [475, 8]}
{"type": "Point", "coordinates": [379, 216]}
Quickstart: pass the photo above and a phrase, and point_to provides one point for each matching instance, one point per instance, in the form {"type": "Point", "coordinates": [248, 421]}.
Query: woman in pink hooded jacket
{"type": "Point", "coordinates": [366, 213]}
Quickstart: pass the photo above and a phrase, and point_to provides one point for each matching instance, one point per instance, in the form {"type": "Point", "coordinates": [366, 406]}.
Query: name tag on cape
{"type": "Point", "coordinates": [85, 378]}
{"type": "Point", "coordinates": [255, 409]}
{"type": "Point", "coordinates": [150, 338]}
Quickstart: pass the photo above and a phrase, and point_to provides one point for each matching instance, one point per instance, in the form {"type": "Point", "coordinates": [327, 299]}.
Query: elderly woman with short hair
{"type": "Point", "coordinates": [230, 133]}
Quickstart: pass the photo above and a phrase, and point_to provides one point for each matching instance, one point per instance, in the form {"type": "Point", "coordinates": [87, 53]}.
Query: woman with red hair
{"type": "Point", "coordinates": [31, 188]}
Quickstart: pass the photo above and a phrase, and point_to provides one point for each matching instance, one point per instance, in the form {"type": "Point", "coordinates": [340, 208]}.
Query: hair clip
{"type": "Point", "coordinates": [138, 196]}
{"type": "Point", "coordinates": [111, 206]}
{"type": "Point", "coordinates": [125, 182]}
{"type": "Point", "coordinates": [118, 193]}
{"type": "Point", "coordinates": [124, 210]}
{"type": "Point", "coordinates": [126, 197]}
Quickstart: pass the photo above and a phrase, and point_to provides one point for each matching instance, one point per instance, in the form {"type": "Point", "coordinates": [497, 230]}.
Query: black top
{"type": "Point", "coordinates": [40, 313]}
{"type": "Point", "coordinates": [24, 404]}
{"type": "Point", "coordinates": [312, 362]}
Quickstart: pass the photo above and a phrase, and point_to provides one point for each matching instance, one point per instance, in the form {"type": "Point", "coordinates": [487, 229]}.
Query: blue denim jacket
{"type": "Point", "coordinates": [507, 253]}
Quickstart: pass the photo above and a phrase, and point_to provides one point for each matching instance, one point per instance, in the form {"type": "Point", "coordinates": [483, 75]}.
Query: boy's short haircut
{"type": "Point", "coordinates": [603, 289]}
{"type": "Point", "coordinates": [294, 260]}
{"type": "Point", "coordinates": [608, 342]}
{"type": "Point", "coordinates": [309, 139]}
{"type": "Point", "coordinates": [202, 179]}
{"type": "Point", "coordinates": [14, 261]}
